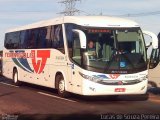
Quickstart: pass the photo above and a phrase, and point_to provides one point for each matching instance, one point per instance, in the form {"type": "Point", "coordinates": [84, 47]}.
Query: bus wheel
{"type": "Point", "coordinates": [15, 77]}
{"type": "Point", "coordinates": [61, 86]}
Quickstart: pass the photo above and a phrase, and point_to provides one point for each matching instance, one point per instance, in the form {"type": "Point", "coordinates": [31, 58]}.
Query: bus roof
{"type": "Point", "coordinates": [95, 21]}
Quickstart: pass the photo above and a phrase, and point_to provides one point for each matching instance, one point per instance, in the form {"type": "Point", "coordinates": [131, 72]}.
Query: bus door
{"type": "Point", "coordinates": [74, 63]}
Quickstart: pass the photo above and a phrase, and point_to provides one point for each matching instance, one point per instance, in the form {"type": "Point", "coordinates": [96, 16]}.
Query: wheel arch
{"type": "Point", "coordinates": [64, 76]}
{"type": "Point", "coordinates": [14, 69]}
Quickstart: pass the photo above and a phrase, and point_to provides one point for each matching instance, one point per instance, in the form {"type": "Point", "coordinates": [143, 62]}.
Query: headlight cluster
{"type": "Point", "coordinates": [94, 79]}
{"type": "Point", "coordinates": [113, 82]}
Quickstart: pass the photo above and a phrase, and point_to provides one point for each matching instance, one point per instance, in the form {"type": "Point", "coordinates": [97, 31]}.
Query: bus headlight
{"type": "Point", "coordinates": [94, 79]}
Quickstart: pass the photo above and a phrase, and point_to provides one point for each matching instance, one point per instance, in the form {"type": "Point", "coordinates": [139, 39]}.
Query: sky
{"type": "Point", "coordinates": [14, 13]}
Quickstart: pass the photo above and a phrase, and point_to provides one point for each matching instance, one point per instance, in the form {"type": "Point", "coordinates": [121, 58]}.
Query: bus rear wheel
{"type": "Point", "coordinates": [61, 86]}
{"type": "Point", "coordinates": [15, 78]}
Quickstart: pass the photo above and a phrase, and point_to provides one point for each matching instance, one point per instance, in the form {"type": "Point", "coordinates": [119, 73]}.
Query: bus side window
{"type": "Point", "coordinates": [48, 37]}
{"type": "Point", "coordinates": [41, 42]}
{"type": "Point", "coordinates": [73, 43]}
{"type": "Point", "coordinates": [76, 48]}
{"type": "Point", "coordinates": [12, 40]}
{"type": "Point", "coordinates": [32, 40]}
{"type": "Point", "coordinates": [57, 38]}
{"type": "Point", "coordinates": [23, 40]}
{"type": "Point", "coordinates": [7, 41]}
{"type": "Point", "coordinates": [69, 36]}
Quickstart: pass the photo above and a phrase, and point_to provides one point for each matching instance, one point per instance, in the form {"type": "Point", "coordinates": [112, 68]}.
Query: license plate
{"type": "Point", "coordinates": [120, 89]}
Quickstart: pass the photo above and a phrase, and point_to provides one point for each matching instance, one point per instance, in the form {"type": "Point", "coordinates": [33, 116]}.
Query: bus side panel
{"type": "Point", "coordinates": [56, 63]}
{"type": "Point", "coordinates": [7, 65]}
{"type": "Point", "coordinates": [37, 67]}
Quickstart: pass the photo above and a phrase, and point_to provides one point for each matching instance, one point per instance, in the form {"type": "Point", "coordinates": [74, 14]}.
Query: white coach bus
{"type": "Point", "coordinates": [90, 55]}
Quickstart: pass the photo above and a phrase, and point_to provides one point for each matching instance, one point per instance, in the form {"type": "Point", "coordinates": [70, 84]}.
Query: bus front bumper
{"type": "Point", "coordinates": [94, 89]}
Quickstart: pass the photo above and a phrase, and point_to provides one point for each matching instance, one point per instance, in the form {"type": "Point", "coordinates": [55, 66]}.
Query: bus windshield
{"type": "Point", "coordinates": [115, 50]}
{"type": "Point", "coordinates": [109, 50]}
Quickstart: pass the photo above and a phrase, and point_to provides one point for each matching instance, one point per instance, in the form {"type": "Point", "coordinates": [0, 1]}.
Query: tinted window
{"type": "Point", "coordinates": [70, 37]}
{"type": "Point", "coordinates": [48, 37]}
{"type": "Point", "coordinates": [23, 40]}
{"type": "Point", "coordinates": [73, 43]}
{"type": "Point", "coordinates": [41, 42]}
{"type": "Point", "coordinates": [39, 38]}
{"type": "Point", "coordinates": [57, 41]}
{"type": "Point", "coordinates": [12, 40]}
{"type": "Point", "coordinates": [29, 39]}
{"type": "Point", "coordinates": [32, 38]}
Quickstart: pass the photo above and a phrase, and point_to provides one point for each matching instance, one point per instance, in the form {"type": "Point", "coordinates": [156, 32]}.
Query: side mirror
{"type": "Point", "coordinates": [148, 45]}
{"type": "Point", "coordinates": [82, 38]}
{"type": "Point", "coordinates": [154, 58]}
{"type": "Point", "coordinates": [158, 40]}
{"type": "Point", "coordinates": [154, 39]}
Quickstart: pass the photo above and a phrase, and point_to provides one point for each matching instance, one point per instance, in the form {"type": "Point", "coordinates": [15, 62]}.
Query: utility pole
{"type": "Point", "coordinates": [70, 7]}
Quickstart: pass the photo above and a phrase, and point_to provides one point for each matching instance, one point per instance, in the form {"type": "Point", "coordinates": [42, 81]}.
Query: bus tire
{"type": "Point", "coordinates": [15, 78]}
{"type": "Point", "coordinates": [61, 86]}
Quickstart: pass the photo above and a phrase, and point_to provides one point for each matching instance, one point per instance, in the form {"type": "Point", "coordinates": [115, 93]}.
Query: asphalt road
{"type": "Point", "coordinates": [35, 100]}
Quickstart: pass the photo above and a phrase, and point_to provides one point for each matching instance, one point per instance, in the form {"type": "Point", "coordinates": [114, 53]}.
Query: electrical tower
{"type": "Point", "coordinates": [70, 9]}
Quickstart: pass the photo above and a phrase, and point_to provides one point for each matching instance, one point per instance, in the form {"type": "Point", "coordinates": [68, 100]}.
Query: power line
{"type": "Point", "coordinates": [86, 13]}
{"type": "Point", "coordinates": [140, 14]}
{"type": "Point", "coordinates": [129, 14]}
{"type": "Point", "coordinates": [71, 10]}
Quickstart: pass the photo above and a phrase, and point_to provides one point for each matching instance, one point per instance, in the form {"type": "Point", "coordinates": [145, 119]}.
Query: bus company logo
{"type": "Point", "coordinates": [38, 59]}
{"type": "Point", "coordinates": [114, 76]}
